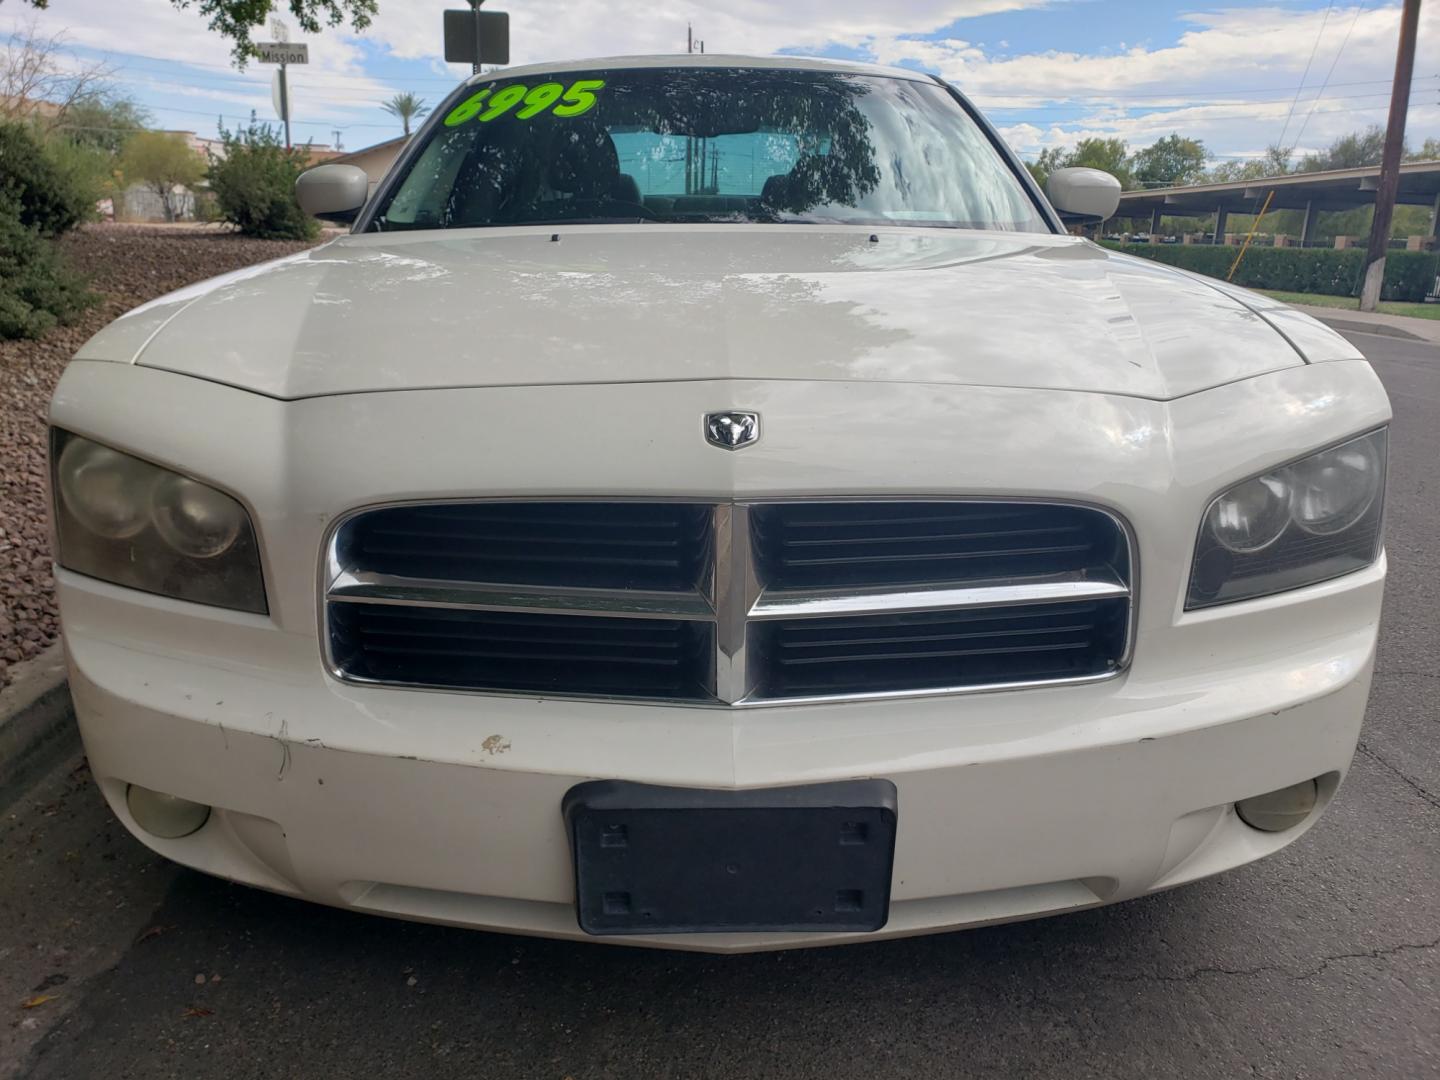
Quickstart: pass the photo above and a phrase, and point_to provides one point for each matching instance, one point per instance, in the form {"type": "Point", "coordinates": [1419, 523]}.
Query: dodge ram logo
{"type": "Point", "coordinates": [732, 430]}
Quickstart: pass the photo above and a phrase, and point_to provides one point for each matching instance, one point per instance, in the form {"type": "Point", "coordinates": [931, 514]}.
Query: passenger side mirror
{"type": "Point", "coordinates": [1083, 195]}
{"type": "Point", "coordinates": [333, 192]}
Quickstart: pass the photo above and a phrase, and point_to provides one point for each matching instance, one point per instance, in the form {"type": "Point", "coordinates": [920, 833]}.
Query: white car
{"type": "Point", "coordinates": [711, 503]}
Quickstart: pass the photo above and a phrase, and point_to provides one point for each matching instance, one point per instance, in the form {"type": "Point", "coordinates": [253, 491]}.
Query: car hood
{"type": "Point", "coordinates": [644, 303]}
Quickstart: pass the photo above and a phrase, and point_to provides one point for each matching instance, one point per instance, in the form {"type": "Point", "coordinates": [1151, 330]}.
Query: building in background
{"type": "Point", "coordinates": [375, 160]}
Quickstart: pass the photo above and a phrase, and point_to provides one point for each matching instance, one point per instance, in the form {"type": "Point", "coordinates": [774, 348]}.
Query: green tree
{"type": "Point", "coordinates": [1276, 161]}
{"type": "Point", "coordinates": [1107, 155]}
{"type": "Point", "coordinates": [254, 185]}
{"type": "Point", "coordinates": [1050, 159]}
{"type": "Point", "coordinates": [1170, 161]}
{"type": "Point", "coordinates": [1429, 151]}
{"type": "Point", "coordinates": [104, 121]}
{"type": "Point", "coordinates": [162, 162]}
{"type": "Point", "coordinates": [406, 107]}
{"type": "Point", "coordinates": [239, 19]}
{"type": "Point", "coordinates": [1352, 151]}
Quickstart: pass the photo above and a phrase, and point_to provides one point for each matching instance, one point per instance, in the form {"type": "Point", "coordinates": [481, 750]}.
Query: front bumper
{"type": "Point", "coordinates": [1011, 804]}
{"type": "Point", "coordinates": [447, 807]}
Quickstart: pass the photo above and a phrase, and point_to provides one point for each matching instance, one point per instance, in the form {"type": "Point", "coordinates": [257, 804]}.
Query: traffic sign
{"type": "Point", "coordinates": [282, 52]}
{"type": "Point", "coordinates": [492, 28]}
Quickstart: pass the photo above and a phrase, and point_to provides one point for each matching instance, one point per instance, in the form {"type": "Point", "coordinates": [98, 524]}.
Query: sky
{"type": "Point", "coordinates": [1239, 76]}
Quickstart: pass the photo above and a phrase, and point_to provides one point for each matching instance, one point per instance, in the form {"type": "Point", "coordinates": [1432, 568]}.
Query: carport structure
{"type": "Point", "coordinates": [1312, 192]}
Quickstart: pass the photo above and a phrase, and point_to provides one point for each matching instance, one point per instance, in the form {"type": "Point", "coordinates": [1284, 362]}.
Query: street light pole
{"type": "Point", "coordinates": [475, 10]}
{"type": "Point", "coordinates": [285, 103]}
{"type": "Point", "coordinates": [1390, 163]}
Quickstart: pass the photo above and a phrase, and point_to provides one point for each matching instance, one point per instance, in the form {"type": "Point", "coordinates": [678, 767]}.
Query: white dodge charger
{"type": "Point", "coordinates": [712, 503]}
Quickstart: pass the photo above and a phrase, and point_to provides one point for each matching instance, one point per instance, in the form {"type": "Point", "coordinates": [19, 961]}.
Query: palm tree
{"type": "Point", "coordinates": [407, 107]}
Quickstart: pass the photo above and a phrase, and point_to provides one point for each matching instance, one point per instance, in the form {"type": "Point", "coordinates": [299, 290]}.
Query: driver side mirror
{"type": "Point", "coordinates": [1083, 196]}
{"type": "Point", "coordinates": [333, 192]}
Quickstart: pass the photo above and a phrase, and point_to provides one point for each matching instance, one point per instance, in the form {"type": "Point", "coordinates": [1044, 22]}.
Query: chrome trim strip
{"type": "Point", "coordinates": [709, 592]}
{"type": "Point", "coordinates": [797, 604]}
{"type": "Point", "coordinates": [743, 703]}
{"type": "Point", "coordinates": [736, 588]}
{"type": "Point", "coordinates": [353, 587]}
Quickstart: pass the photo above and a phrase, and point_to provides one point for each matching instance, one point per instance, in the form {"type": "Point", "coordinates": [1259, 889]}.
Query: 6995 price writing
{"type": "Point", "coordinates": [489, 104]}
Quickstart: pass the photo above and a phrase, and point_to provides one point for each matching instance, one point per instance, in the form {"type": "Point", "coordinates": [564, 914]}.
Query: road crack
{"type": "Point", "coordinates": [1430, 797]}
{"type": "Point", "coordinates": [1195, 974]}
{"type": "Point", "coordinates": [1409, 674]}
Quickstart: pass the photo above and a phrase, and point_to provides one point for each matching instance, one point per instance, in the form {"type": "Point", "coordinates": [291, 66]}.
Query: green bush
{"type": "Point", "coordinates": [54, 184]}
{"type": "Point", "coordinates": [37, 289]}
{"type": "Point", "coordinates": [254, 186]}
{"type": "Point", "coordinates": [1409, 275]}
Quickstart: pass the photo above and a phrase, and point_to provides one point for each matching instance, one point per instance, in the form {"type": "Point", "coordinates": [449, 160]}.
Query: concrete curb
{"type": "Point", "coordinates": [37, 727]}
{"type": "Point", "coordinates": [1366, 328]}
{"type": "Point", "coordinates": [1363, 322]}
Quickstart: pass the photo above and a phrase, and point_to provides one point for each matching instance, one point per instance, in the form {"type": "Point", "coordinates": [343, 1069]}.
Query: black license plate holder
{"type": "Point", "coordinates": [663, 860]}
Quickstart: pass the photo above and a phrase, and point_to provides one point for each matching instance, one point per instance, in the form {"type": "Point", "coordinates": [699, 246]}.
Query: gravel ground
{"type": "Point", "coordinates": [128, 265]}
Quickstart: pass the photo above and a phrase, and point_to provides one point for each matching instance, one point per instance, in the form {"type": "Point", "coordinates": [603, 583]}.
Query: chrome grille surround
{"type": "Point", "coordinates": [731, 596]}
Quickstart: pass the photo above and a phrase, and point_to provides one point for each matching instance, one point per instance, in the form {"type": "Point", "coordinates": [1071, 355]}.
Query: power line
{"type": "Point", "coordinates": [1313, 50]}
{"type": "Point", "coordinates": [1175, 104]}
{"type": "Point", "coordinates": [1343, 42]}
{"type": "Point", "coordinates": [1182, 114]}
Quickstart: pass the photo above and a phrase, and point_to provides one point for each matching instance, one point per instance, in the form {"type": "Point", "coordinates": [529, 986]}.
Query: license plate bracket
{"type": "Point", "coordinates": [663, 860]}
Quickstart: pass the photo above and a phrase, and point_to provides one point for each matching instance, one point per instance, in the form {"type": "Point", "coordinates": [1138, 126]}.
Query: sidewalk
{"type": "Point", "coordinates": [1366, 322]}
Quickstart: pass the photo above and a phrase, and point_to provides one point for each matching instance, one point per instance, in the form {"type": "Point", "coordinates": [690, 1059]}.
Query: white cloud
{"type": "Point", "coordinates": [543, 29]}
{"type": "Point", "coordinates": [1141, 94]}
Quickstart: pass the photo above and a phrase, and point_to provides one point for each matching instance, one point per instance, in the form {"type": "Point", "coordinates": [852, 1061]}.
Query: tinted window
{"type": "Point", "coordinates": [707, 145]}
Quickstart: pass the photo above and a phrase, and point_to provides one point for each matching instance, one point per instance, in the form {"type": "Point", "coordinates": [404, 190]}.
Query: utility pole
{"type": "Point", "coordinates": [1390, 163]}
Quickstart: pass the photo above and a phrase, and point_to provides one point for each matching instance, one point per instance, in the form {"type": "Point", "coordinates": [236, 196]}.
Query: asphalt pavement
{"type": "Point", "coordinates": [1323, 961]}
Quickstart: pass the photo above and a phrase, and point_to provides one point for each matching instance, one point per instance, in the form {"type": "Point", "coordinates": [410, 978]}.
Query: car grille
{"type": "Point", "coordinates": [728, 604]}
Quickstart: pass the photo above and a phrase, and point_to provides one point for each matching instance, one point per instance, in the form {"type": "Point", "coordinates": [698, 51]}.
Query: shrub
{"type": "Point", "coordinates": [1409, 275]}
{"type": "Point", "coordinates": [254, 186]}
{"type": "Point", "coordinates": [51, 186]}
{"type": "Point", "coordinates": [37, 289]}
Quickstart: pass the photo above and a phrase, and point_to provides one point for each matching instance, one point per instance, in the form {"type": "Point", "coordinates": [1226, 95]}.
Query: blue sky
{"type": "Point", "coordinates": [1048, 72]}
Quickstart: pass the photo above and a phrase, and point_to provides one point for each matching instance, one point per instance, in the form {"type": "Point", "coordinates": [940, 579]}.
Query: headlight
{"type": "Point", "coordinates": [1309, 521]}
{"type": "Point", "coordinates": [132, 523]}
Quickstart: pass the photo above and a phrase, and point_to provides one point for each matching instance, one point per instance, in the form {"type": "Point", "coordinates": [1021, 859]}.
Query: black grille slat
{"type": "Point", "coordinates": [935, 556]}
{"type": "Point", "coordinates": [562, 654]}
{"type": "Point", "coordinates": [650, 546]}
{"type": "Point", "coordinates": [822, 657]}
{"type": "Point", "coordinates": [859, 544]}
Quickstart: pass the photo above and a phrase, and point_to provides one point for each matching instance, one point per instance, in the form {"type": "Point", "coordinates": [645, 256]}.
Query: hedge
{"type": "Point", "coordinates": [37, 289]}
{"type": "Point", "coordinates": [51, 187]}
{"type": "Point", "coordinates": [1409, 275]}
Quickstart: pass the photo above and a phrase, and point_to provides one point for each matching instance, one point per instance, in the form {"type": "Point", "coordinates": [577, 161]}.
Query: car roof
{"type": "Point", "coordinates": [705, 60]}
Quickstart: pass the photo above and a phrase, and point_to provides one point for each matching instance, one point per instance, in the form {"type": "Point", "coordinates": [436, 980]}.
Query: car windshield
{"type": "Point", "coordinates": [706, 145]}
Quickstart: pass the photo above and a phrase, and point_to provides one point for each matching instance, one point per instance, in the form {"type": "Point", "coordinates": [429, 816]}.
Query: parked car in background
{"type": "Point", "coordinates": [712, 503]}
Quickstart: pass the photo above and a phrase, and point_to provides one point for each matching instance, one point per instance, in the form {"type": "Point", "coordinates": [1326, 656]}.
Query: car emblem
{"type": "Point", "coordinates": [732, 430]}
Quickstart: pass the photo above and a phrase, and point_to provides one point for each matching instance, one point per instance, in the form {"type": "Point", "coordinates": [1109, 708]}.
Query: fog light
{"type": "Point", "coordinates": [166, 816]}
{"type": "Point", "coordinates": [1277, 811]}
